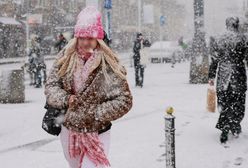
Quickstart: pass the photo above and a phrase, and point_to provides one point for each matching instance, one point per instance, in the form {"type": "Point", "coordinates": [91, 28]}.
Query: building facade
{"type": "Point", "coordinates": [60, 16]}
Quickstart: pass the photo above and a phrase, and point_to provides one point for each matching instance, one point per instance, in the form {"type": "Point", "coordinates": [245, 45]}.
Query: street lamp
{"type": "Point", "coordinates": [108, 7]}
{"type": "Point", "coordinates": [139, 15]}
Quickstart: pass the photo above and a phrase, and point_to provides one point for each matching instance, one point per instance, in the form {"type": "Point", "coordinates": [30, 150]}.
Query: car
{"type": "Point", "coordinates": [179, 55]}
{"type": "Point", "coordinates": [162, 51]}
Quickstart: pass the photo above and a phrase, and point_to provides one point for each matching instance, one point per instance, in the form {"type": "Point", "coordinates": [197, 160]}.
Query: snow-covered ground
{"type": "Point", "coordinates": [137, 139]}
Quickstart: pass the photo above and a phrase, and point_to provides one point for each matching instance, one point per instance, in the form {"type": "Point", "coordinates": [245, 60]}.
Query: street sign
{"type": "Point", "coordinates": [108, 4]}
{"type": "Point", "coordinates": [162, 20]}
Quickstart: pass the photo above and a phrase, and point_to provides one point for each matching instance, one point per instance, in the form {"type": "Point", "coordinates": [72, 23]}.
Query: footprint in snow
{"type": "Point", "coordinates": [238, 161]}
{"type": "Point", "coordinates": [245, 136]}
{"type": "Point", "coordinates": [204, 117]}
{"type": "Point", "coordinates": [162, 145]}
{"type": "Point", "coordinates": [186, 123]}
{"type": "Point", "coordinates": [161, 158]}
{"type": "Point", "coordinates": [226, 164]}
{"type": "Point", "coordinates": [246, 151]}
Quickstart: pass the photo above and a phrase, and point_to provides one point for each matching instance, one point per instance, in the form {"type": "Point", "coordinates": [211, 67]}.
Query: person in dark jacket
{"type": "Point", "coordinates": [139, 44]}
{"type": "Point", "coordinates": [106, 39]}
{"type": "Point", "coordinates": [61, 43]}
{"type": "Point", "coordinates": [228, 53]}
{"type": "Point", "coordinates": [36, 63]}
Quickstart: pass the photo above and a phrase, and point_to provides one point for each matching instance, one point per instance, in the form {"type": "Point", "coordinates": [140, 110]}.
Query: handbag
{"type": "Point", "coordinates": [144, 55]}
{"type": "Point", "coordinates": [53, 119]}
{"type": "Point", "coordinates": [211, 99]}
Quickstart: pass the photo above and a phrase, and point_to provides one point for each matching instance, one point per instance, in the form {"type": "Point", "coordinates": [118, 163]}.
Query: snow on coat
{"type": "Point", "coordinates": [102, 99]}
{"type": "Point", "coordinates": [228, 53]}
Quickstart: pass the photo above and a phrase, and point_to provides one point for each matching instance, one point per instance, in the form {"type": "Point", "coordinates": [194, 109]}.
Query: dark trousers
{"type": "Point", "coordinates": [231, 105]}
{"type": "Point", "coordinates": [38, 77]}
{"type": "Point", "coordinates": [139, 73]}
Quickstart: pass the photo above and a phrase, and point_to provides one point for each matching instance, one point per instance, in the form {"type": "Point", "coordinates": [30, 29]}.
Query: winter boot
{"type": "Point", "coordinates": [38, 86]}
{"type": "Point", "coordinates": [237, 131]}
{"type": "Point", "coordinates": [31, 83]}
{"type": "Point", "coordinates": [224, 136]}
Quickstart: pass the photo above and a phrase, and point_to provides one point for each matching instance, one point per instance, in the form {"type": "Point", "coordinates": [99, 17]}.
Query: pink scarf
{"type": "Point", "coordinates": [81, 144]}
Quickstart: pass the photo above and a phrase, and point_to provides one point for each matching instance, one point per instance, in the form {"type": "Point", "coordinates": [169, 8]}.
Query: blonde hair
{"type": "Point", "coordinates": [67, 62]}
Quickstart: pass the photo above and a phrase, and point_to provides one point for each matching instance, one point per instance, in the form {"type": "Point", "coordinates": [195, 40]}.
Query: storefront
{"type": "Point", "coordinates": [12, 38]}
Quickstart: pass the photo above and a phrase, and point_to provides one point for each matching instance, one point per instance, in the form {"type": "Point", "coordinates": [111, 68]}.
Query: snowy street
{"type": "Point", "coordinates": [184, 59]}
{"type": "Point", "coordinates": [137, 139]}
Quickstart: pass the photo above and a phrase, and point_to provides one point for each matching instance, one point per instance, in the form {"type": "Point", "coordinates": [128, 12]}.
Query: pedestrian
{"type": "Point", "coordinates": [228, 53]}
{"type": "Point", "coordinates": [106, 39]}
{"type": "Point", "coordinates": [88, 80]}
{"type": "Point", "coordinates": [61, 43]}
{"type": "Point", "coordinates": [36, 63]}
{"type": "Point", "coordinates": [173, 59]}
{"type": "Point", "coordinates": [140, 45]}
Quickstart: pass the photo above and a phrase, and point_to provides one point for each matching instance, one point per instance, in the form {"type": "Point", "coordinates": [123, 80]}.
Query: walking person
{"type": "Point", "coordinates": [106, 39]}
{"type": "Point", "coordinates": [36, 63]}
{"type": "Point", "coordinates": [88, 80]}
{"type": "Point", "coordinates": [173, 60]}
{"type": "Point", "coordinates": [228, 53]}
{"type": "Point", "coordinates": [61, 43]}
{"type": "Point", "coordinates": [140, 54]}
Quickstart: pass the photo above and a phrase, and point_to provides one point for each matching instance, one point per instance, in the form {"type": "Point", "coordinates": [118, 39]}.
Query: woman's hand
{"type": "Point", "coordinates": [73, 101]}
{"type": "Point", "coordinates": [211, 82]}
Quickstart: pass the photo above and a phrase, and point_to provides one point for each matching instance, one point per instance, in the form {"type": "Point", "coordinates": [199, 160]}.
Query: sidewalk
{"type": "Point", "coordinates": [137, 140]}
{"type": "Point", "coordinates": [21, 59]}
{"type": "Point", "coordinates": [15, 60]}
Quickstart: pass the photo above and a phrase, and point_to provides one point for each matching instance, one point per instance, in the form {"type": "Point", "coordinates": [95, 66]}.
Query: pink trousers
{"type": "Point", "coordinates": [75, 162]}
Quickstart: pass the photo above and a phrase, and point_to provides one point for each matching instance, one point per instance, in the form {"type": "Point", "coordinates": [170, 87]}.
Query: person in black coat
{"type": "Point", "coordinates": [36, 63]}
{"type": "Point", "coordinates": [61, 43]}
{"type": "Point", "coordinates": [228, 53]}
{"type": "Point", "coordinates": [106, 39]}
{"type": "Point", "coordinates": [139, 43]}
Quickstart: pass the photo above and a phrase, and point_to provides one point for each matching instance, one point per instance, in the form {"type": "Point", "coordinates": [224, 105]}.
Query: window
{"type": "Point", "coordinates": [46, 3]}
{"type": "Point", "coordinates": [72, 5]}
{"type": "Point", "coordinates": [40, 3]}
{"type": "Point", "coordinates": [58, 2]}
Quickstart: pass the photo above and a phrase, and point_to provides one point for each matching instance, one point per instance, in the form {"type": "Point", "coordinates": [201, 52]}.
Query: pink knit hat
{"type": "Point", "coordinates": [89, 24]}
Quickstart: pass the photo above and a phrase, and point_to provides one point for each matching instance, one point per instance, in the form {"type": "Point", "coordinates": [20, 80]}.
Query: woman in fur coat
{"type": "Point", "coordinates": [88, 80]}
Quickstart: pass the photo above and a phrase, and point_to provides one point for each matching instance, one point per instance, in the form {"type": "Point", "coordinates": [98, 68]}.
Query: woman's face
{"type": "Point", "coordinates": [87, 43]}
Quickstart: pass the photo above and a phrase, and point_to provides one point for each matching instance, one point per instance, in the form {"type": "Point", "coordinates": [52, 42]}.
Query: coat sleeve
{"type": "Point", "coordinates": [212, 68]}
{"type": "Point", "coordinates": [56, 96]}
{"type": "Point", "coordinates": [213, 59]}
{"type": "Point", "coordinates": [246, 51]}
{"type": "Point", "coordinates": [136, 47]}
{"type": "Point", "coordinates": [246, 57]}
{"type": "Point", "coordinates": [118, 106]}
{"type": "Point", "coordinates": [57, 44]}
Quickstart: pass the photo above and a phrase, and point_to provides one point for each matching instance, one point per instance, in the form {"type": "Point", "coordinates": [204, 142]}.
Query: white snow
{"type": "Point", "coordinates": [137, 139]}
{"type": "Point", "coordinates": [163, 48]}
{"type": "Point", "coordinates": [87, 17]}
{"type": "Point", "coordinates": [164, 44]}
{"type": "Point", "coordinates": [4, 80]}
{"type": "Point", "coordinates": [9, 21]}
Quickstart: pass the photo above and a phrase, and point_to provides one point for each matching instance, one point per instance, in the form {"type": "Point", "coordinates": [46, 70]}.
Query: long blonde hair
{"type": "Point", "coordinates": [67, 62]}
